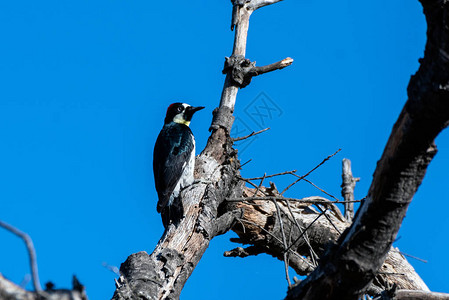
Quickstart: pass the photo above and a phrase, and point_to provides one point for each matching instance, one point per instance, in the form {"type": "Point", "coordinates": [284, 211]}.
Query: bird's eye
{"type": "Point", "coordinates": [180, 109]}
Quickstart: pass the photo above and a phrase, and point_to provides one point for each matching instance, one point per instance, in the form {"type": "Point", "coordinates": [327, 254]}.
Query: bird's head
{"type": "Point", "coordinates": [181, 113]}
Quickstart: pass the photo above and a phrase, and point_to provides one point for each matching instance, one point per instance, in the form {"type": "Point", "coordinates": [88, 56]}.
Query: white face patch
{"type": "Point", "coordinates": [179, 118]}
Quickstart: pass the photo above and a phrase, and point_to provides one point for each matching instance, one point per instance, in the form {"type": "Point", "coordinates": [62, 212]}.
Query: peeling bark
{"type": "Point", "coordinates": [259, 228]}
{"type": "Point", "coordinates": [340, 266]}
{"type": "Point", "coordinates": [162, 274]}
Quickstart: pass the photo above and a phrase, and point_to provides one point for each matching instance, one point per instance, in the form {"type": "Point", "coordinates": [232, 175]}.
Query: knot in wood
{"type": "Point", "coordinates": [138, 275]}
{"type": "Point", "coordinates": [172, 259]}
{"type": "Point", "coordinates": [239, 69]}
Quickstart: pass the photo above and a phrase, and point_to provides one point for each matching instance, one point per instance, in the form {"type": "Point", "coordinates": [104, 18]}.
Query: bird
{"type": "Point", "coordinates": [174, 161]}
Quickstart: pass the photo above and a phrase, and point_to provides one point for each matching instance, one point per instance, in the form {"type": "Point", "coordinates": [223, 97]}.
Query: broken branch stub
{"type": "Point", "coordinates": [241, 70]}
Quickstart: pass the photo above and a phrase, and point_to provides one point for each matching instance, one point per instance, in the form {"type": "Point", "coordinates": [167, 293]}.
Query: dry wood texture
{"type": "Point", "coordinates": [311, 231]}
{"type": "Point", "coordinates": [162, 274]}
{"type": "Point", "coordinates": [311, 235]}
{"type": "Point", "coordinates": [11, 291]}
{"type": "Point", "coordinates": [347, 270]}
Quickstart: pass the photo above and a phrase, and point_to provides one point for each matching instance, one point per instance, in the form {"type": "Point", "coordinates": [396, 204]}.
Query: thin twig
{"type": "Point", "coordinates": [246, 163]}
{"type": "Point", "coordinates": [273, 175]}
{"type": "Point", "coordinates": [276, 238]}
{"type": "Point", "coordinates": [320, 189]}
{"type": "Point", "coordinates": [307, 228]}
{"type": "Point", "coordinates": [304, 176]}
{"type": "Point", "coordinates": [329, 219]}
{"type": "Point", "coordinates": [31, 252]}
{"type": "Point", "coordinates": [308, 200]}
{"type": "Point", "coordinates": [289, 241]}
{"type": "Point", "coordinates": [243, 225]}
{"type": "Point", "coordinates": [312, 252]}
{"type": "Point", "coordinates": [260, 184]}
{"type": "Point", "coordinates": [411, 256]}
{"type": "Point", "coordinates": [249, 135]}
{"type": "Point", "coordinates": [284, 241]}
{"type": "Point", "coordinates": [248, 181]}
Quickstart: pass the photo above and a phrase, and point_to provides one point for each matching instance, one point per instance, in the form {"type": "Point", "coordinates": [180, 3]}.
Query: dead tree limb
{"type": "Point", "coordinates": [162, 274]}
{"type": "Point", "coordinates": [249, 135]}
{"type": "Point", "coordinates": [242, 70]}
{"type": "Point", "coordinates": [348, 269]}
{"type": "Point", "coordinates": [420, 295]}
{"type": "Point", "coordinates": [31, 252]}
{"type": "Point", "coordinates": [395, 294]}
{"type": "Point", "coordinates": [347, 188]}
{"type": "Point", "coordinates": [312, 233]}
{"type": "Point", "coordinates": [9, 290]}
{"type": "Point", "coordinates": [308, 173]}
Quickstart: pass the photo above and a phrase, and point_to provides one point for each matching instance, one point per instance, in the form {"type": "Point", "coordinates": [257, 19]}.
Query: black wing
{"type": "Point", "coordinates": [172, 151]}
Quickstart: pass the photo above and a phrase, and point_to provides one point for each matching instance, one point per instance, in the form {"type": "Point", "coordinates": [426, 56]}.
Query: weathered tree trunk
{"type": "Point", "coordinates": [349, 267]}
{"type": "Point", "coordinates": [163, 274]}
{"type": "Point", "coordinates": [310, 235]}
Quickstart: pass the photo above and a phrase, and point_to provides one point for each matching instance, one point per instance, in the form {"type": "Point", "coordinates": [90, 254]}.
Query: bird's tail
{"type": "Point", "coordinates": [172, 214]}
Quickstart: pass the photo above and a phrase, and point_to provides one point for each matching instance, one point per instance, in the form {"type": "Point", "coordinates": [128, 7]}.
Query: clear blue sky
{"type": "Point", "coordinates": [84, 86]}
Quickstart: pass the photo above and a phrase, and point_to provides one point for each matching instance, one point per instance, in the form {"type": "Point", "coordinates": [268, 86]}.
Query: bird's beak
{"type": "Point", "coordinates": [191, 110]}
{"type": "Point", "coordinates": [195, 109]}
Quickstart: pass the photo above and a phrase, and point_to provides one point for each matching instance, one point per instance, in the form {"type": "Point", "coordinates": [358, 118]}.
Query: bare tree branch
{"type": "Point", "coordinates": [421, 295]}
{"type": "Point", "coordinates": [284, 241]}
{"type": "Point", "coordinates": [350, 267]}
{"type": "Point", "coordinates": [256, 71]}
{"type": "Point", "coordinates": [249, 135]}
{"type": "Point", "coordinates": [262, 217]}
{"type": "Point", "coordinates": [347, 188]}
{"type": "Point", "coordinates": [324, 192]}
{"type": "Point", "coordinates": [11, 291]}
{"type": "Point", "coordinates": [261, 230]}
{"type": "Point", "coordinates": [272, 175]}
{"type": "Point", "coordinates": [308, 173]}
{"type": "Point", "coordinates": [242, 70]}
{"type": "Point", "coordinates": [243, 252]}
{"type": "Point", "coordinates": [256, 4]}
{"type": "Point", "coordinates": [31, 252]}
{"type": "Point", "coordinates": [162, 274]}
{"type": "Point", "coordinates": [306, 200]}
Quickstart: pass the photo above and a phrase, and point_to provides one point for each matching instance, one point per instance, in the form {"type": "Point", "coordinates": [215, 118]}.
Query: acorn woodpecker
{"type": "Point", "coordinates": [174, 160]}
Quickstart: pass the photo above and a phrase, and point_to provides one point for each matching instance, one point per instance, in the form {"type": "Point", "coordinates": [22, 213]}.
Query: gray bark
{"type": "Point", "coordinates": [307, 233]}
{"type": "Point", "coordinates": [11, 291]}
{"type": "Point", "coordinates": [348, 268]}
{"type": "Point", "coordinates": [163, 273]}
{"type": "Point", "coordinates": [347, 190]}
{"type": "Point", "coordinates": [311, 233]}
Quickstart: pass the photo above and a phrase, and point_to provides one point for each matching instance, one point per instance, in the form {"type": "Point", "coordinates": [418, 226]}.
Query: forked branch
{"type": "Point", "coordinates": [310, 232]}
{"type": "Point", "coordinates": [350, 268]}
{"type": "Point", "coordinates": [162, 274]}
